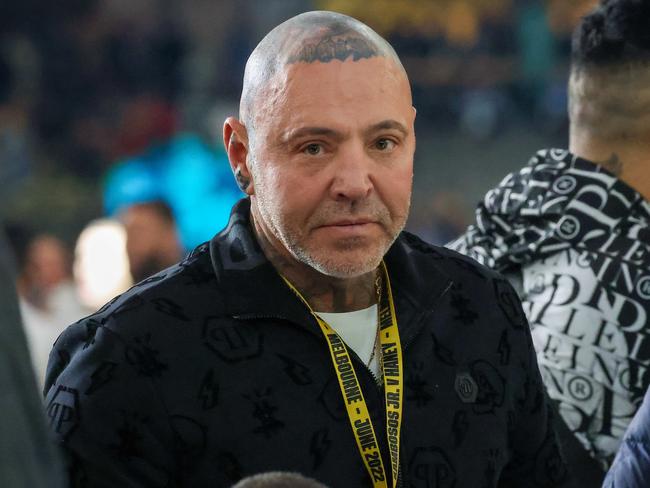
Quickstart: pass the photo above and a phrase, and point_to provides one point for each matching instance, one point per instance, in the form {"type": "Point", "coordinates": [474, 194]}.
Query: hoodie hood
{"type": "Point", "coordinates": [557, 201]}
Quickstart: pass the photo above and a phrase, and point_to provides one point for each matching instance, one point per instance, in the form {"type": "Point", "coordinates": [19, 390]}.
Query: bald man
{"type": "Point", "coordinates": [312, 334]}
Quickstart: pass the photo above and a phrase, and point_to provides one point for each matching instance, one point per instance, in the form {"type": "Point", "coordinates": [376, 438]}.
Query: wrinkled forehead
{"type": "Point", "coordinates": [349, 78]}
{"type": "Point", "coordinates": [347, 94]}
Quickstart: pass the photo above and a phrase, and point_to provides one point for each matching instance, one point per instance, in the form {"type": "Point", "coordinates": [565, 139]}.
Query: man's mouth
{"type": "Point", "coordinates": [349, 223]}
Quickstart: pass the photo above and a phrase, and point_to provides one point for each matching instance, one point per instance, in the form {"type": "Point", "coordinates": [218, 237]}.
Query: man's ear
{"type": "Point", "coordinates": [235, 140]}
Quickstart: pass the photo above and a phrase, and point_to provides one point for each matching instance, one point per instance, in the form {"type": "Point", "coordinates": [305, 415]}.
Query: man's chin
{"type": "Point", "coordinates": [344, 268]}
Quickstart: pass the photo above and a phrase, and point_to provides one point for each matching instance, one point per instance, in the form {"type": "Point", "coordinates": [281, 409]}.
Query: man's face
{"type": "Point", "coordinates": [147, 236]}
{"type": "Point", "coordinates": [47, 263]}
{"type": "Point", "coordinates": [332, 163]}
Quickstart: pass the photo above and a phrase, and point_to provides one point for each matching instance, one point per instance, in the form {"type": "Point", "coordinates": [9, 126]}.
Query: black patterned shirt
{"type": "Point", "coordinates": [213, 370]}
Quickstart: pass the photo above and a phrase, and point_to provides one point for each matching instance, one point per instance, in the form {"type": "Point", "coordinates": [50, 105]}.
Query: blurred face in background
{"type": "Point", "coordinates": [151, 239]}
{"type": "Point", "coordinates": [47, 263]}
{"type": "Point", "coordinates": [332, 163]}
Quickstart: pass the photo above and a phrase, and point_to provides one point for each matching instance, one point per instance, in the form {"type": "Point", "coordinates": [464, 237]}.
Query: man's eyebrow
{"type": "Point", "coordinates": [387, 125]}
{"type": "Point", "coordinates": [311, 131]}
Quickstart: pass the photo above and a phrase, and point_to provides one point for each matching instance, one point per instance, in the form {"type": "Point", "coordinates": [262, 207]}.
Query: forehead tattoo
{"type": "Point", "coordinates": [335, 45]}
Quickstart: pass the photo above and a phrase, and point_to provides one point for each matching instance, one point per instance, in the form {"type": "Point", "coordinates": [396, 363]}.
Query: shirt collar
{"type": "Point", "coordinates": [252, 288]}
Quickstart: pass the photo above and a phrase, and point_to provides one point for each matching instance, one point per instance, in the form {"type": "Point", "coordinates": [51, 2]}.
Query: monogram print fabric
{"type": "Point", "coordinates": [578, 240]}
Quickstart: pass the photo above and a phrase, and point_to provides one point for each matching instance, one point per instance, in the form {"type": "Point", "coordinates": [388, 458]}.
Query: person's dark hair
{"type": "Point", "coordinates": [616, 32]}
{"type": "Point", "coordinates": [160, 207]}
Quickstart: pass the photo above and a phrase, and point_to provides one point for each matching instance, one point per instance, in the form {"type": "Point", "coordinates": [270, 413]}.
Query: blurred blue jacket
{"type": "Point", "coordinates": [631, 467]}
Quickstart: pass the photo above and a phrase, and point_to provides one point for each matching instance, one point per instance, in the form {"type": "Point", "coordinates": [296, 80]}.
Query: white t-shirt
{"type": "Point", "coordinates": [358, 330]}
{"type": "Point", "coordinates": [43, 328]}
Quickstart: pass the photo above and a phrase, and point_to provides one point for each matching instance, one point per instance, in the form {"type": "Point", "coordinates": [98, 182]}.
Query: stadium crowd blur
{"type": "Point", "coordinates": [112, 110]}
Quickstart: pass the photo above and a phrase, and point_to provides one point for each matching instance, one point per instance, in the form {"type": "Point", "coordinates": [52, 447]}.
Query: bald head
{"type": "Point", "coordinates": [308, 38]}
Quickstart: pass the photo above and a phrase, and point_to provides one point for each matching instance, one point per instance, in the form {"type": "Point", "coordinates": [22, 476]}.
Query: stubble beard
{"type": "Point", "coordinates": [293, 240]}
{"type": "Point", "coordinates": [334, 268]}
{"type": "Point", "coordinates": [362, 259]}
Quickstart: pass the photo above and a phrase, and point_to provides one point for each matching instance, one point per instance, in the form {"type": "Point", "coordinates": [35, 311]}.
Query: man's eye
{"type": "Point", "coordinates": [313, 149]}
{"type": "Point", "coordinates": [384, 144]}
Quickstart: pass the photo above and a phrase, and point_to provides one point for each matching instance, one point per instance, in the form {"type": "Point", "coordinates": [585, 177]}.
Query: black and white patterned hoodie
{"type": "Point", "coordinates": [576, 240]}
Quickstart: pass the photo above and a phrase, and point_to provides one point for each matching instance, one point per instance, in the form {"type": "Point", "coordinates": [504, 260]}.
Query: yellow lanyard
{"type": "Point", "coordinates": [391, 365]}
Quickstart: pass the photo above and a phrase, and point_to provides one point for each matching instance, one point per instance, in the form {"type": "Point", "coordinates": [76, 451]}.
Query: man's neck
{"type": "Point", "coordinates": [629, 163]}
{"type": "Point", "coordinates": [323, 293]}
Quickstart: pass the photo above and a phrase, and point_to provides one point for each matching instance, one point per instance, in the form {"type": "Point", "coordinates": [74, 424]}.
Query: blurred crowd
{"type": "Point", "coordinates": [56, 289]}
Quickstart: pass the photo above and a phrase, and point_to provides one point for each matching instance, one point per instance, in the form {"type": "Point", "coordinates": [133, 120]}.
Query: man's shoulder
{"type": "Point", "coordinates": [172, 294]}
{"type": "Point", "coordinates": [456, 265]}
{"type": "Point", "coordinates": [161, 308]}
{"type": "Point", "coordinates": [489, 290]}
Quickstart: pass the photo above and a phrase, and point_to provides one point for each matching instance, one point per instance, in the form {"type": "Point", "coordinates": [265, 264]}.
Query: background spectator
{"type": "Point", "coordinates": [47, 295]}
{"type": "Point", "coordinates": [151, 238]}
{"type": "Point", "coordinates": [27, 455]}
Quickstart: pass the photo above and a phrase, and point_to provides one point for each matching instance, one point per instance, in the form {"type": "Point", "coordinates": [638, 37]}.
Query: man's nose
{"type": "Point", "coordinates": [352, 177]}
